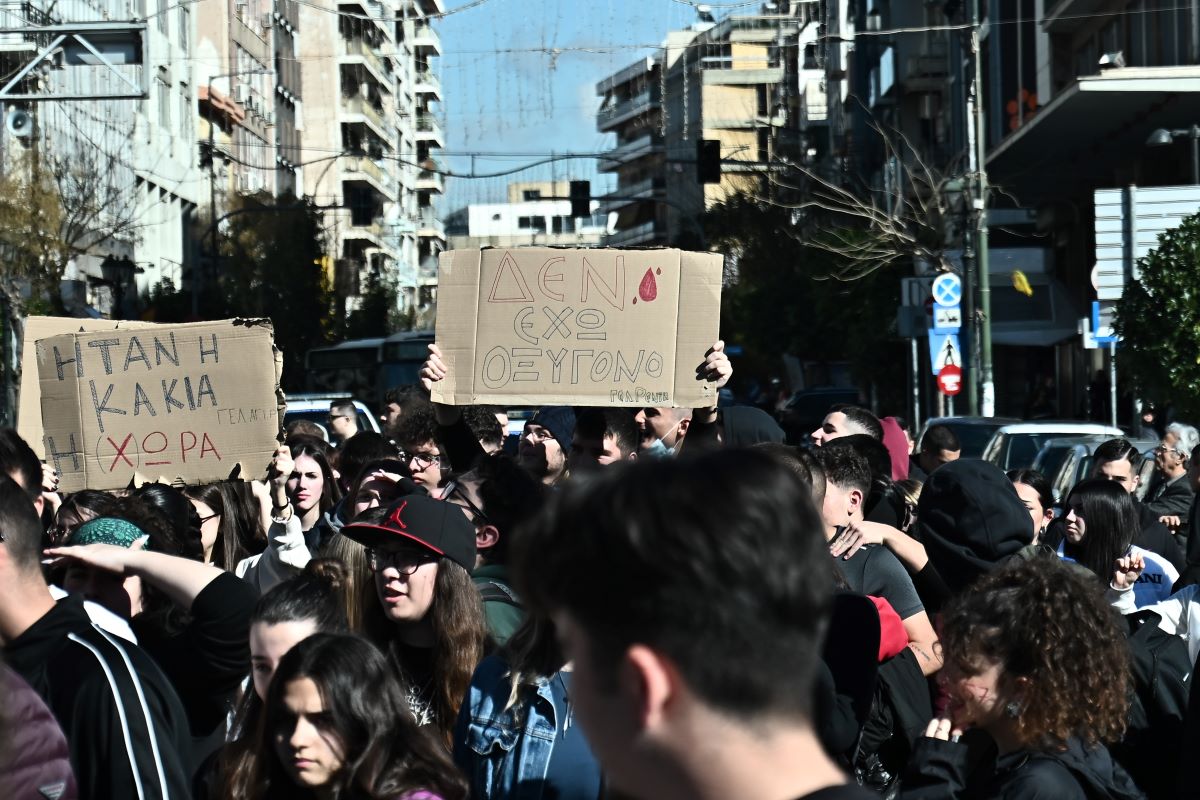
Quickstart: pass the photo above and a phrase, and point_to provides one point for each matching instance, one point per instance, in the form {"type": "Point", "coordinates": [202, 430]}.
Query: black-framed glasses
{"type": "Point", "coordinates": [406, 562]}
{"type": "Point", "coordinates": [455, 489]}
{"type": "Point", "coordinates": [213, 515]}
{"type": "Point", "coordinates": [424, 459]}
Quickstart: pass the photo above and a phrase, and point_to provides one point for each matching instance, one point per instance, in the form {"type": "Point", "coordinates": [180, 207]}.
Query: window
{"type": "Point", "coordinates": [563, 225]}
{"type": "Point", "coordinates": [185, 30]}
{"type": "Point", "coordinates": [185, 110]}
{"type": "Point", "coordinates": [532, 194]}
{"type": "Point", "coordinates": [163, 90]}
{"type": "Point", "coordinates": [161, 13]}
{"type": "Point", "coordinates": [535, 224]}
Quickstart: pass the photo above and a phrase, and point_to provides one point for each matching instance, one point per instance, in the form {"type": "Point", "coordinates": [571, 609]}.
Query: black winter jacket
{"type": "Point", "coordinates": [939, 770]}
{"type": "Point", "coordinates": [123, 721]}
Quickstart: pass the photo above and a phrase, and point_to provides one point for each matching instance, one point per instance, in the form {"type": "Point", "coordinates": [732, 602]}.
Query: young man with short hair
{"type": "Point", "coordinates": [939, 446]}
{"type": "Point", "coordinates": [844, 420]}
{"type": "Point", "coordinates": [683, 593]}
{"type": "Point", "coordinates": [417, 437]}
{"type": "Point", "coordinates": [496, 496]}
{"type": "Point", "coordinates": [343, 419]}
{"type": "Point", "coordinates": [873, 570]}
{"type": "Point", "coordinates": [603, 436]}
{"type": "Point", "coordinates": [126, 727]}
{"type": "Point", "coordinates": [662, 429]}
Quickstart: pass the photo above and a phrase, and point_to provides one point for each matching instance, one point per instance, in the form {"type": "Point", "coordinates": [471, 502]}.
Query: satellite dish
{"type": "Point", "coordinates": [19, 123]}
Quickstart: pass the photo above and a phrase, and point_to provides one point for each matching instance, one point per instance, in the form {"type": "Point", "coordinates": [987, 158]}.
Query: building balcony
{"type": "Point", "coordinates": [633, 193]}
{"type": "Point", "coordinates": [430, 226]}
{"type": "Point", "coordinates": [372, 232]}
{"type": "Point", "coordinates": [612, 116]}
{"type": "Point", "coordinates": [363, 168]}
{"type": "Point", "coordinates": [425, 40]}
{"type": "Point", "coordinates": [383, 17]}
{"type": "Point", "coordinates": [360, 109]}
{"type": "Point", "coordinates": [630, 151]}
{"type": "Point", "coordinates": [429, 129]}
{"type": "Point", "coordinates": [249, 39]}
{"type": "Point", "coordinates": [428, 83]}
{"type": "Point", "coordinates": [645, 233]}
{"type": "Point", "coordinates": [358, 51]}
{"type": "Point", "coordinates": [742, 77]}
{"type": "Point", "coordinates": [430, 181]}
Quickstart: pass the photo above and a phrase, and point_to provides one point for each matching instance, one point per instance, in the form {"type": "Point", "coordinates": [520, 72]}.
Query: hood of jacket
{"type": "Point", "coordinates": [970, 520]}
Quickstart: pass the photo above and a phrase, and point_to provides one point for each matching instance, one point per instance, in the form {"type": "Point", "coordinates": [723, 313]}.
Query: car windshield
{"type": "Point", "coordinates": [1023, 449]}
{"type": "Point", "coordinates": [1052, 460]}
{"type": "Point", "coordinates": [972, 437]}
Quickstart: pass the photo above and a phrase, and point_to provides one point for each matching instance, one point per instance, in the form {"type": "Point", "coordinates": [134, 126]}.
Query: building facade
{"type": "Point", "coordinates": [529, 218]}
{"type": "Point", "coordinates": [736, 82]}
{"type": "Point", "coordinates": [369, 133]}
{"type": "Point", "coordinates": [130, 165]}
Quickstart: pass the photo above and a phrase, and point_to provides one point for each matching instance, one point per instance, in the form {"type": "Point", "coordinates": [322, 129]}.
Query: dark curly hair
{"type": "Point", "coordinates": [1045, 621]}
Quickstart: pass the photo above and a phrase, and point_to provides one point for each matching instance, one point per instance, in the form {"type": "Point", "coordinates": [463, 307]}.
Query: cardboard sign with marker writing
{"type": "Point", "coordinates": [600, 327]}
{"type": "Point", "coordinates": [29, 404]}
{"type": "Point", "coordinates": [169, 402]}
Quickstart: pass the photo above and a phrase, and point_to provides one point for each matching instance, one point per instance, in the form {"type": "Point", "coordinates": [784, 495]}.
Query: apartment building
{"type": "Point", "coordinates": [532, 216]}
{"type": "Point", "coordinates": [366, 139]}
{"type": "Point", "coordinates": [736, 82]}
{"type": "Point", "coordinates": [139, 154]}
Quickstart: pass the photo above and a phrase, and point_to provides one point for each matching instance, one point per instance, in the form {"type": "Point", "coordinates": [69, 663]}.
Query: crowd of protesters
{"type": "Point", "coordinates": [650, 603]}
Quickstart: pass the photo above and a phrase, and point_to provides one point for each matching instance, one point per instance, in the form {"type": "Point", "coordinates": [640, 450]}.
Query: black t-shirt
{"type": "Point", "coordinates": [848, 791]}
{"type": "Point", "coordinates": [873, 570]}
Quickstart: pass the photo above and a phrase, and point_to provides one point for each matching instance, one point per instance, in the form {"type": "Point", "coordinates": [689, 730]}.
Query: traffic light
{"type": "Point", "coordinates": [708, 161]}
{"type": "Point", "coordinates": [581, 199]}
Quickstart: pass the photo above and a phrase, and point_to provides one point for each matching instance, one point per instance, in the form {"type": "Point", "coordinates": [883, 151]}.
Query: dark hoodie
{"type": "Point", "coordinates": [742, 426]}
{"type": "Point", "coordinates": [939, 769]}
{"type": "Point", "coordinates": [970, 521]}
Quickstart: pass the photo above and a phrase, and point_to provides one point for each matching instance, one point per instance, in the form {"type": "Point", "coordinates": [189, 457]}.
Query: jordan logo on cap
{"type": "Point", "coordinates": [396, 518]}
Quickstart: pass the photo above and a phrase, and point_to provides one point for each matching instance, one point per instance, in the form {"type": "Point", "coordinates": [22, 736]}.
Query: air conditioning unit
{"type": "Point", "coordinates": [243, 182]}
{"type": "Point", "coordinates": [243, 10]}
{"type": "Point", "coordinates": [267, 21]}
{"type": "Point", "coordinates": [269, 118]}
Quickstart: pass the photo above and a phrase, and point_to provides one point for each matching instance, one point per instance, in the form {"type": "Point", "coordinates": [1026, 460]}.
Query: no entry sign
{"type": "Point", "coordinates": [949, 380]}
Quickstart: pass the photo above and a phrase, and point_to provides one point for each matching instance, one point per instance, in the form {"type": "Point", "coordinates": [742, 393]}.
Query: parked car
{"type": "Point", "coordinates": [973, 432]}
{"type": "Point", "coordinates": [1067, 461]}
{"type": "Point", "coordinates": [805, 410]}
{"type": "Point", "coordinates": [1016, 446]}
{"type": "Point", "coordinates": [315, 408]}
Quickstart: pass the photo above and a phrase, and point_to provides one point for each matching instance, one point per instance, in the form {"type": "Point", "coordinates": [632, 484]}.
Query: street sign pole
{"type": "Point", "coordinates": [987, 406]}
{"type": "Point", "coordinates": [1112, 382]}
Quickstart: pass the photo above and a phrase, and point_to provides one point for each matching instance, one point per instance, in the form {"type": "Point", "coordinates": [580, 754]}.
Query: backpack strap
{"type": "Point", "coordinates": [496, 592]}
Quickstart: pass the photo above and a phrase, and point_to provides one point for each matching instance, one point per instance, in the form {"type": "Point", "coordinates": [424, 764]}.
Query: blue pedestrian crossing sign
{"type": "Point", "coordinates": [947, 289]}
{"type": "Point", "coordinates": [943, 351]}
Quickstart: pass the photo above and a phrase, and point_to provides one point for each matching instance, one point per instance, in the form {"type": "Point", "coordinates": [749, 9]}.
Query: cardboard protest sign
{"type": "Point", "coordinates": [169, 402]}
{"type": "Point", "coordinates": [542, 326]}
{"type": "Point", "coordinates": [29, 401]}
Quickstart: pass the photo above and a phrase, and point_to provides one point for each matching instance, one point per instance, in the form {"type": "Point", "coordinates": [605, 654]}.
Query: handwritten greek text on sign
{"type": "Point", "coordinates": [595, 326]}
{"type": "Point", "coordinates": [186, 401]}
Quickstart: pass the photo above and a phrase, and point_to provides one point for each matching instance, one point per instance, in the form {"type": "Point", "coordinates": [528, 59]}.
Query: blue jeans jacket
{"type": "Point", "coordinates": [503, 752]}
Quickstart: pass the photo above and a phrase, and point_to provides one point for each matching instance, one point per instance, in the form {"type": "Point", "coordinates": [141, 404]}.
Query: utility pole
{"type": "Point", "coordinates": [987, 406]}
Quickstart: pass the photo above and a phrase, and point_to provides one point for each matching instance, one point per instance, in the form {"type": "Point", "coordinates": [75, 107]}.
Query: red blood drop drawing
{"type": "Point", "coordinates": [648, 290]}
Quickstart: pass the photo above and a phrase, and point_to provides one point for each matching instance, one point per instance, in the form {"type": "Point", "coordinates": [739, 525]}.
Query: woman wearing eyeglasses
{"type": "Point", "coordinates": [430, 619]}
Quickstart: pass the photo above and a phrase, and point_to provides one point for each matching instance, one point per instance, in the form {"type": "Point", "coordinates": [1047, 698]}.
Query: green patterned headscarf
{"type": "Point", "coordinates": [107, 530]}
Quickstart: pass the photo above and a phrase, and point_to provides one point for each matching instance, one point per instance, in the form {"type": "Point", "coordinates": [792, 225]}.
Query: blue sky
{"type": "Point", "coordinates": [519, 76]}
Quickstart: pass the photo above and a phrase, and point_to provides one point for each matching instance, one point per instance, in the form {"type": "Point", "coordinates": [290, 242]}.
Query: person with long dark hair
{"type": "Point", "coordinates": [1034, 490]}
{"type": "Point", "coordinates": [224, 531]}
{"type": "Point", "coordinates": [302, 488]}
{"type": "Point", "coordinates": [1100, 524]}
{"type": "Point", "coordinates": [305, 605]}
{"type": "Point", "coordinates": [1049, 695]}
{"type": "Point", "coordinates": [336, 726]}
{"type": "Point", "coordinates": [429, 620]}
{"type": "Point", "coordinates": [76, 509]}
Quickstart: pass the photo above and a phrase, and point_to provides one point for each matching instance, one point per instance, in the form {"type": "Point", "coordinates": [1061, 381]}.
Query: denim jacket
{"type": "Point", "coordinates": [504, 753]}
